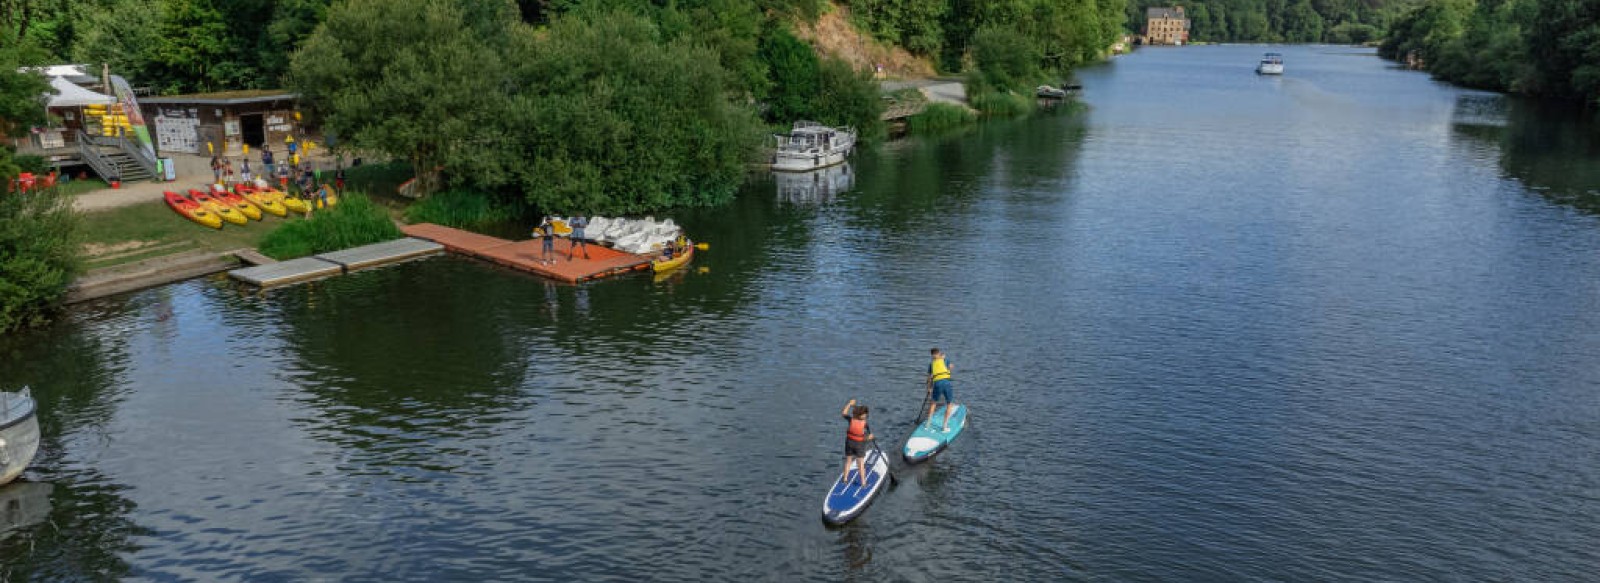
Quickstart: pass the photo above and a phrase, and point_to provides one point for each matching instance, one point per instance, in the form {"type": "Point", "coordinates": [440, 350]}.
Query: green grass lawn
{"type": "Point", "coordinates": [77, 187]}
{"type": "Point", "coordinates": [142, 231]}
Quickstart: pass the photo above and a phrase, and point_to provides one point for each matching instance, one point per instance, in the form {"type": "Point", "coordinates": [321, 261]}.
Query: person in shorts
{"type": "Point", "coordinates": [939, 389]}
{"type": "Point", "coordinates": [576, 239]}
{"type": "Point", "coordinates": [855, 439]}
{"type": "Point", "coordinates": [547, 235]}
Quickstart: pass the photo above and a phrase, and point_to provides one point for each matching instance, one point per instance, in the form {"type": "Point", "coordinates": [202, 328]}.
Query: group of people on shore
{"type": "Point", "coordinates": [306, 177]}
{"type": "Point", "coordinates": [940, 392]}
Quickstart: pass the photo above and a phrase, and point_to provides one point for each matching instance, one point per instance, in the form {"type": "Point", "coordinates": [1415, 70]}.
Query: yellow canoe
{"type": "Point", "coordinates": [661, 265]}
{"type": "Point", "coordinates": [264, 200]}
{"type": "Point", "coordinates": [222, 209]}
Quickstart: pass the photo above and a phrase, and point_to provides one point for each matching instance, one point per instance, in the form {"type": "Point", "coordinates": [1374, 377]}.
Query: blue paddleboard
{"type": "Point", "coordinates": [849, 498]}
{"type": "Point", "coordinates": [930, 437]}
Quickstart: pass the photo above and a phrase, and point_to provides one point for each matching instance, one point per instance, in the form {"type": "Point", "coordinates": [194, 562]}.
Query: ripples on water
{"type": "Point", "coordinates": [1219, 327]}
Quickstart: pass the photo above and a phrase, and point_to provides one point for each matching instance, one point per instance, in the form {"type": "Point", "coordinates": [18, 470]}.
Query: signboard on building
{"type": "Point", "coordinates": [176, 130]}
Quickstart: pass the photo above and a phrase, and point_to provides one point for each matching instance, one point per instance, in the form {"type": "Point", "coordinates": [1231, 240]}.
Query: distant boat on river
{"type": "Point", "coordinates": [1271, 64]}
{"type": "Point", "coordinates": [811, 145]}
{"type": "Point", "coordinates": [19, 433]}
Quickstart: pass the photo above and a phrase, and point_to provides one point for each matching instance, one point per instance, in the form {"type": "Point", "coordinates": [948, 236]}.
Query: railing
{"type": "Point", "coordinates": [139, 154]}
{"type": "Point", "coordinates": [88, 149]}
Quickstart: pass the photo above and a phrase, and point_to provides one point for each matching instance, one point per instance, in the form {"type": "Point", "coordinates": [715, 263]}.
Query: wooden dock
{"type": "Point", "coordinates": [527, 255]}
{"type": "Point", "coordinates": [286, 272]}
{"type": "Point", "coordinates": [335, 263]}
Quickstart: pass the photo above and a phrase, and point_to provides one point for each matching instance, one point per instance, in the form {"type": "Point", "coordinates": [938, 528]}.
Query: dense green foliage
{"type": "Point", "coordinates": [1543, 47]}
{"type": "Point", "coordinates": [1295, 21]}
{"type": "Point", "coordinates": [38, 257]}
{"type": "Point", "coordinates": [1062, 33]}
{"type": "Point", "coordinates": [465, 209]}
{"type": "Point", "coordinates": [355, 221]}
{"type": "Point", "coordinates": [611, 107]}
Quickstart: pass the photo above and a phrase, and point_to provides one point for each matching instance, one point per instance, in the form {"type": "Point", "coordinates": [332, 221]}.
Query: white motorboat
{"type": "Point", "coordinates": [1271, 64]}
{"type": "Point", "coordinates": [811, 145]}
{"type": "Point", "coordinates": [19, 433]}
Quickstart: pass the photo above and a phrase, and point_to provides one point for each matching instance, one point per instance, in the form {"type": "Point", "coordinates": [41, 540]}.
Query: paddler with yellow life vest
{"type": "Point", "coordinates": [855, 439]}
{"type": "Point", "coordinates": [939, 389]}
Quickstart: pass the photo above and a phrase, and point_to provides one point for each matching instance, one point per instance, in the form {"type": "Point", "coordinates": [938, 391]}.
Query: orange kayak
{"type": "Point", "coordinates": [192, 210]}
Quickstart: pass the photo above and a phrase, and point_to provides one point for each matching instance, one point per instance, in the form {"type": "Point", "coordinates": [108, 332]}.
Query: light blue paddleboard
{"type": "Point", "coordinates": [930, 437]}
{"type": "Point", "coordinates": [849, 498]}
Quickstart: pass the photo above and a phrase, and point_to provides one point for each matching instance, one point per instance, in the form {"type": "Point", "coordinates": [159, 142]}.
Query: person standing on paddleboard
{"type": "Point", "coordinates": [855, 439]}
{"type": "Point", "coordinates": [939, 389]}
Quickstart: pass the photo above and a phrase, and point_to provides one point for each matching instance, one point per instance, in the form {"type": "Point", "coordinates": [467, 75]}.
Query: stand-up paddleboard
{"type": "Point", "coordinates": [849, 498]}
{"type": "Point", "coordinates": [930, 437]}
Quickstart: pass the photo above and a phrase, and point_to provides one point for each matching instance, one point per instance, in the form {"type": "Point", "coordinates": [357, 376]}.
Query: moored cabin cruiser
{"type": "Point", "coordinates": [1271, 64]}
{"type": "Point", "coordinates": [811, 145]}
{"type": "Point", "coordinates": [19, 433]}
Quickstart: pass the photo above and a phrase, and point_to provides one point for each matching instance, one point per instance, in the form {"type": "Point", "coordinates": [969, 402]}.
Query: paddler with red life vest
{"type": "Point", "coordinates": [939, 389]}
{"type": "Point", "coordinates": [855, 439]}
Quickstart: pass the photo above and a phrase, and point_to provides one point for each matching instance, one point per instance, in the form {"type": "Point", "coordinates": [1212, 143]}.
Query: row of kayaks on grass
{"type": "Point", "coordinates": [848, 498]}
{"type": "Point", "coordinates": [242, 205]}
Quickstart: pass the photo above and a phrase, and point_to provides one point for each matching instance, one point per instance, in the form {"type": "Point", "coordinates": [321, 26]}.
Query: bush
{"type": "Point", "coordinates": [355, 221]}
{"type": "Point", "coordinates": [938, 117]}
{"type": "Point", "coordinates": [38, 258]}
{"type": "Point", "coordinates": [461, 208]}
{"type": "Point", "coordinates": [1006, 60]}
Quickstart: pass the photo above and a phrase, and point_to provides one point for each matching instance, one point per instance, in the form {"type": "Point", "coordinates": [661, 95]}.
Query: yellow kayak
{"type": "Point", "coordinates": [661, 265]}
{"type": "Point", "coordinates": [266, 201]}
{"type": "Point", "coordinates": [294, 204]}
{"type": "Point", "coordinates": [216, 206]}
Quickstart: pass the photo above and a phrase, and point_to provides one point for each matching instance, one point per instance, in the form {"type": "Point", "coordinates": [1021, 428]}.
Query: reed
{"type": "Point", "coordinates": [355, 221]}
{"type": "Point", "coordinates": [940, 117]}
{"type": "Point", "coordinates": [463, 209]}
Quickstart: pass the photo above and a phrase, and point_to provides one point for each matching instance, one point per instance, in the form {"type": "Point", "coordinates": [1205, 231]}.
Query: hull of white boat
{"type": "Point", "coordinates": [1269, 69]}
{"type": "Point", "coordinates": [793, 162]}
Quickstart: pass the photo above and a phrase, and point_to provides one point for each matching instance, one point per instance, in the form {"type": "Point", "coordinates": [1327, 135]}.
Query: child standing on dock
{"type": "Point", "coordinates": [547, 232]}
{"type": "Point", "coordinates": [855, 439]}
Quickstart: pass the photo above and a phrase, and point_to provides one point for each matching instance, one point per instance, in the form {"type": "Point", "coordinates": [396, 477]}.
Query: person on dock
{"type": "Point", "coordinates": [576, 239]}
{"type": "Point", "coordinates": [855, 439]}
{"type": "Point", "coordinates": [939, 389]}
{"type": "Point", "coordinates": [547, 233]}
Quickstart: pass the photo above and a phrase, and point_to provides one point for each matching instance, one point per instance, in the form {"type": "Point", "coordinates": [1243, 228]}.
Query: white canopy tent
{"type": "Point", "coordinates": [69, 94]}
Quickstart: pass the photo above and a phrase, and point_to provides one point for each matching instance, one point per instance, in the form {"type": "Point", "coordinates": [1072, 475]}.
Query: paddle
{"type": "Point", "coordinates": [892, 480]}
{"type": "Point", "coordinates": [923, 409]}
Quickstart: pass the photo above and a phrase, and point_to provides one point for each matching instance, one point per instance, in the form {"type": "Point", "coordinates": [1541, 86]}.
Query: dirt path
{"type": "Point", "coordinates": [129, 194]}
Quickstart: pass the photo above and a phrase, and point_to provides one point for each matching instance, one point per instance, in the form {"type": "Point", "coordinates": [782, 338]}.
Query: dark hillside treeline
{"type": "Point", "coordinates": [1538, 47]}
{"type": "Point", "coordinates": [1059, 34]}
{"type": "Point", "coordinates": [1294, 21]}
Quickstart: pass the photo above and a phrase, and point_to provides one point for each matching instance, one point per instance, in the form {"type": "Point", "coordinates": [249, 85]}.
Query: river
{"type": "Point", "coordinates": [1338, 325]}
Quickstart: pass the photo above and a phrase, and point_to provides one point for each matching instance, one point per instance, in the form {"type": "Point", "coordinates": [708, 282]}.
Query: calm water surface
{"type": "Point", "coordinates": [1339, 325]}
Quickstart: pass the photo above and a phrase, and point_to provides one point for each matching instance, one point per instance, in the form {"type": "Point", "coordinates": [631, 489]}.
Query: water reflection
{"type": "Point", "coordinates": [1552, 148]}
{"type": "Point", "coordinates": [23, 504]}
{"type": "Point", "coordinates": [815, 187]}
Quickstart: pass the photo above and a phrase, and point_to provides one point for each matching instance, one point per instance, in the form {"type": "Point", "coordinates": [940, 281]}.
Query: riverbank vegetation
{"type": "Point", "coordinates": [1274, 21]}
{"type": "Point", "coordinates": [38, 257]}
{"type": "Point", "coordinates": [355, 221]}
{"type": "Point", "coordinates": [1538, 47]}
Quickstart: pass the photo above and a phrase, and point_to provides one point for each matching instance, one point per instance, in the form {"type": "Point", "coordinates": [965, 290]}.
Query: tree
{"type": "Point", "coordinates": [423, 81]}
{"type": "Point", "coordinates": [610, 117]}
{"type": "Point", "coordinates": [37, 256]}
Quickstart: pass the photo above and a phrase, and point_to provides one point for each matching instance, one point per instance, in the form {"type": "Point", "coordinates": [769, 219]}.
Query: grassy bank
{"type": "Point", "coordinates": [142, 231]}
{"type": "Point", "coordinates": [938, 117]}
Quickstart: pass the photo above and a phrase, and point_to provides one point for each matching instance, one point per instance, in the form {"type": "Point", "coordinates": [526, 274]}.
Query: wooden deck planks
{"type": "Point", "coordinates": [528, 255]}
